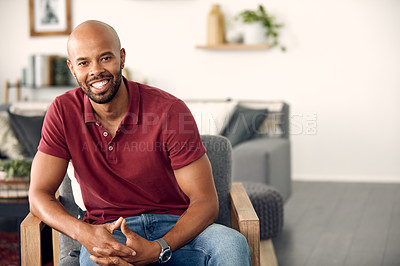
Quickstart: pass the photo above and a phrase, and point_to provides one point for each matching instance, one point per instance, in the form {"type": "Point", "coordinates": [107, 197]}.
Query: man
{"type": "Point", "coordinates": [137, 154]}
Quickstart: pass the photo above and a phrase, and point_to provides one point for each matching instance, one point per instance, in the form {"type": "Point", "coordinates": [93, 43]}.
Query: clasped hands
{"type": "Point", "coordinates": [105, 250]}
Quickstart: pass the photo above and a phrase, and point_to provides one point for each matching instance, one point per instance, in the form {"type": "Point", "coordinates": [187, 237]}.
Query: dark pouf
{"type": "Point", "coordinates": [268, 204]}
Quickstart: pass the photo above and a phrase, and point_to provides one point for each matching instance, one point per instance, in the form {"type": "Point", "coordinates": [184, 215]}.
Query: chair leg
{"type": "Point", "coordinates": [267, 253]}
{"type": "Point", "coordinates": [56, 246]}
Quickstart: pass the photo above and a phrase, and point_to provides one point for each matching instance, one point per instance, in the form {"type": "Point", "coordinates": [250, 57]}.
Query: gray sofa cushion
{"type": "Point", "coordinates": [264, 160]}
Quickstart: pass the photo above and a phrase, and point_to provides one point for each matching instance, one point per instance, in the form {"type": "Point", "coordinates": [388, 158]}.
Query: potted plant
{"type": "Point", "coordinates": [14, 178]}
{"type": "Point", "coordinates": [260, 27]}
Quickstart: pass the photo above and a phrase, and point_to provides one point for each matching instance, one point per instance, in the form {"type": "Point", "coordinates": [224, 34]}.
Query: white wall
{"type": "Point", "coordinates": [341, 70]}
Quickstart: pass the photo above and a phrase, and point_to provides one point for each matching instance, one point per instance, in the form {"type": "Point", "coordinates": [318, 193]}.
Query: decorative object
{"type": "Point", "coordinates": [260, 27]}
{"type": "Point", "coordinates": [60, 71]}
{"type": "Point", "coordinates": [234, 36]}
{"type": "Point", "coordinates": [220, 37]}
{"type": "Point", "coordinates": [215, 29]}
{"type": "Point", "coordinates": [244, 124]}
{"type": "Point", "coordinates": [14, 178]}
{"type": "Point", "coordinates": [50, 17]}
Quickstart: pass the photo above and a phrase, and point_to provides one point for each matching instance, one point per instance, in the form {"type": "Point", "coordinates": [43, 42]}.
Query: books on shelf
{"type": "Point", "coordinates": [47, 70]}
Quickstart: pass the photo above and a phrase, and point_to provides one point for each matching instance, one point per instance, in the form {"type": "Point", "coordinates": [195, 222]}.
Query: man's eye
{"type": "Point", "coordinates": [82, 63]}
{"type": "Point", "coordinates": [106, 58]}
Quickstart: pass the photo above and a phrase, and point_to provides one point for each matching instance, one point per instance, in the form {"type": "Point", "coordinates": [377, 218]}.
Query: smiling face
{"type": "Point", "coordinates": [96, 60]}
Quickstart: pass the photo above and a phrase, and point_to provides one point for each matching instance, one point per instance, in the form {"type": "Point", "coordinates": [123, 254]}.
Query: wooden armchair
{"type": "Point", "coordinates": [236, 210]}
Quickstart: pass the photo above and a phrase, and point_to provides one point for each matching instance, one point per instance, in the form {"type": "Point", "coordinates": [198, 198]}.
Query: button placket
{"type": "Point", "coordinates": [111, 153]}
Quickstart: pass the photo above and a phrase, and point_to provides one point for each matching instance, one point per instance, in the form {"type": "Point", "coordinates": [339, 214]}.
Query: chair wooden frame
{"type": "Point", "coordinates": [243, 218]}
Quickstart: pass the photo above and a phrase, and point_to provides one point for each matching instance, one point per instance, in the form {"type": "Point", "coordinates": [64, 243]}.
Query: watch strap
{"type": "Point", "coordinates": [162, 243]}
{"type": "Point", "coordinates": [166, 252]}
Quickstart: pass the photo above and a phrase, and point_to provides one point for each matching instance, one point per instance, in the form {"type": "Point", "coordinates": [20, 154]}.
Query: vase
{"type": "Point", "coordinates": [215, 26]}
{"type": "Point", "coordinates": [254, 33]}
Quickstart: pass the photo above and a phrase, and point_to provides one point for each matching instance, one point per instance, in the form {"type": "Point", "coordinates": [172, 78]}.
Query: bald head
{"type": "Point", "coordinates": [96, 57]}
{"type": "Point", "coordinates": [91, 31]}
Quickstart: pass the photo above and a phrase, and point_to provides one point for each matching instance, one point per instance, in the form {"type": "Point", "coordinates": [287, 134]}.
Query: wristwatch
{"type": "Point", "coordinates": [166, 252]}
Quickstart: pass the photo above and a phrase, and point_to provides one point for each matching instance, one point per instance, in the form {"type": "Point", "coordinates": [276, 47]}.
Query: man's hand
{"type": "Point", "coordinates": [98, 240]}
{"type": "Point", "coordinates": [146, 251]}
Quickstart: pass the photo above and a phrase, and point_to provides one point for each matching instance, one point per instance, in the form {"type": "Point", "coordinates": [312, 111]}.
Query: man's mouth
{"type": "Point", "coordinates": [99, 84]}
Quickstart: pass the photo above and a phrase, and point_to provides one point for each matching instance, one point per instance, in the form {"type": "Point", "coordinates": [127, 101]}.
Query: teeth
{"type": "Point", "coordinates": [99, 85]}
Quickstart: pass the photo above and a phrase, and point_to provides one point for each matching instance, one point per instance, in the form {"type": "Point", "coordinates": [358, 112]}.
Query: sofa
{"type": "Point", "coordinates": [257, 130]}
{"type": "Point", "coordinates": [259, 134]}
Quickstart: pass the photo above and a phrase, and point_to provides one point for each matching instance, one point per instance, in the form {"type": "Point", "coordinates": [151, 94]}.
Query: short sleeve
{"type": "Point", "coordinates": [53, 141]}
{"type": "Point", "coordinates": [182, 138]}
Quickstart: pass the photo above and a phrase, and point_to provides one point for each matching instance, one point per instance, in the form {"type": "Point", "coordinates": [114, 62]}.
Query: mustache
{"type": "Point", "coordinates": [99, 77]}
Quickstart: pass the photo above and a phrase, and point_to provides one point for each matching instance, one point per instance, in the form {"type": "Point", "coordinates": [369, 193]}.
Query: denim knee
{"type": "Point", "coordinates": [225, 246]}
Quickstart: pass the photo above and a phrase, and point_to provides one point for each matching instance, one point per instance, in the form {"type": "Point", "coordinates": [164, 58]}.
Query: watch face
{"type": "Point", "coordinates": [166, 255]}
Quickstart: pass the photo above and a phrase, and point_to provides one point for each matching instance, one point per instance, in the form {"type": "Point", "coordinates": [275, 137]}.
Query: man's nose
{"type": "Point", "coordinates": [96, 69]}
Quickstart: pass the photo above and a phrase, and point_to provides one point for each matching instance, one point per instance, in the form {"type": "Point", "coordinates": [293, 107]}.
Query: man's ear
{"type": "Point", "coordinates": [122, 57]}
{"type": "Point", "coordinates": [71, 67]}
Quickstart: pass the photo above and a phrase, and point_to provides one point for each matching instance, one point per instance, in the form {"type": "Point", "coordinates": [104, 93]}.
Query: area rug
{"type": "Point", "coordinates": [9, 249]}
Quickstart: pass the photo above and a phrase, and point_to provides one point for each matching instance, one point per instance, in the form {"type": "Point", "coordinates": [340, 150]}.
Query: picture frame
{"type": "Point", "coordinates": [50, 17]}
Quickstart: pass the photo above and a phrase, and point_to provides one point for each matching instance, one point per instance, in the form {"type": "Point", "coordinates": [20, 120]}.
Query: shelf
{"type": "Point", "coordinates": [25, 93]}
{"type": "Point", "coordinates": [235, 47]}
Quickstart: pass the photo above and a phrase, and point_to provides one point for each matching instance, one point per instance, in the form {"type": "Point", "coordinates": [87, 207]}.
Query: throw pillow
{"type": "Point", "coordinates": [10, 147]}
{"type": "Point", "coordinates": [211, 116]}
{"type": "Point", "coordinates": [244, 124]}
{"type": "Point", "coordinates": [28, 131]}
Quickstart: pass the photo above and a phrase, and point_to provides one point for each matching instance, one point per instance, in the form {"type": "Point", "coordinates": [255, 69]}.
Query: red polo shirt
{"type": "Point", "coordinates": [131, 173]}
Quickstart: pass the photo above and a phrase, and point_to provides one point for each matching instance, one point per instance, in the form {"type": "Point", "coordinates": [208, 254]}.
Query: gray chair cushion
{"type": "Point", "coordinates": [69, 261]}
{"type": "Point", "coordinates": [67, 244]}
{"type": "Point", "coordinates": [219, 152]}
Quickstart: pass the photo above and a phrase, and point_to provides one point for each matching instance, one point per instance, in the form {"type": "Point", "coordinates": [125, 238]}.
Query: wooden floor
{"type": "Point", "coordinates": [347, 224]}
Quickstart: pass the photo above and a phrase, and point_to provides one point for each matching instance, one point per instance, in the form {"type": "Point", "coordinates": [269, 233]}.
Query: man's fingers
{"type": "Point", "coordinates": [109, 261]}
{"type": "Point", "coordinates": [115, 250]}
{"type": "Point", "coordinates": [125, 229]}
{"type": "Point", "coordinates": [116, 224]}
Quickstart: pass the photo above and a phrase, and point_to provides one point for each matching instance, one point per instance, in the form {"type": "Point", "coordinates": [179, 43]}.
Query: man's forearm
{"type": "Point", "coordinates": [197, 183]}
{"type": "Point", "coordinates": [197, 217]}
{"type": "Point", "coordinates": [52, 212]}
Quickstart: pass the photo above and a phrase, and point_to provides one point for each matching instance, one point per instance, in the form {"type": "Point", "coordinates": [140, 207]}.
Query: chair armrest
{"type": "Point", "coordinates": [31, 229]}
{"type": "Point", "coordinates": [33, 240]}
{"type": "Point", "coordinates": [245, 220]}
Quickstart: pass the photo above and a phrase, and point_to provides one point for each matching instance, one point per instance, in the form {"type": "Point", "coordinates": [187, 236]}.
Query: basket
{"type": "Point", "coordinates": [16, 187]}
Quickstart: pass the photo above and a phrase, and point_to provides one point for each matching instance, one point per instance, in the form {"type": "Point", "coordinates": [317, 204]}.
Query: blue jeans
{"type": "Point", "coordinates": [216, 245]}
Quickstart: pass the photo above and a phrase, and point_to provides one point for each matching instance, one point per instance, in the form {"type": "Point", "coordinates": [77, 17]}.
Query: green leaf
{"type": "Point", "coordinates": [268, 21]}
{"type": "Point", "coordinates": [16, 168]}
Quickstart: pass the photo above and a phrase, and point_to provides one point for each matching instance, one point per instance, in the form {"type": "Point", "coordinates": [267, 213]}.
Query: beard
{"type": "Point", "coordinates": [106, 96]}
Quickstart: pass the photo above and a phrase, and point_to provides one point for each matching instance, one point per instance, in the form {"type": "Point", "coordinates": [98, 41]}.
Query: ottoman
{"type": "Point", "coordinates": [268, 204]}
